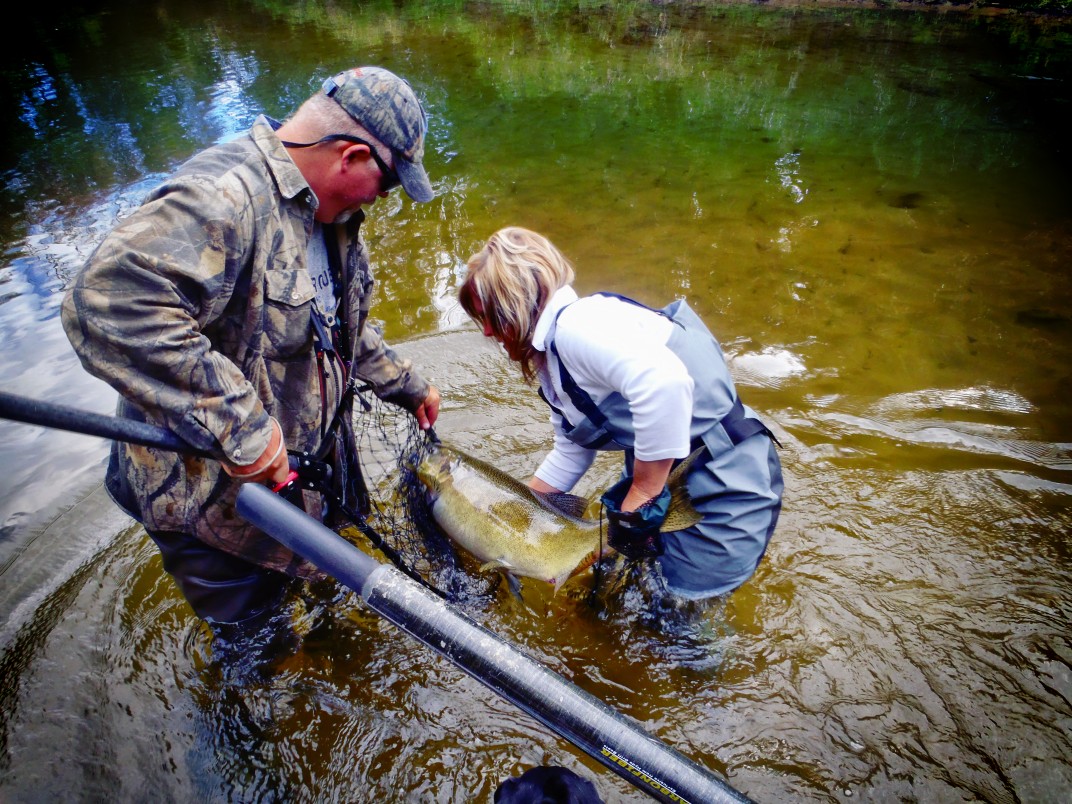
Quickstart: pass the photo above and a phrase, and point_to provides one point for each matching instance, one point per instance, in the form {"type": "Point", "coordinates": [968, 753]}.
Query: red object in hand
{"type": "Point", "coordinates": [291, 477]}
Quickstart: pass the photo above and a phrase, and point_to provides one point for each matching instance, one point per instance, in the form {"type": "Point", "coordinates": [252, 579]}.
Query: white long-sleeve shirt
{"type": "Point", "coordinates": [609, 346]}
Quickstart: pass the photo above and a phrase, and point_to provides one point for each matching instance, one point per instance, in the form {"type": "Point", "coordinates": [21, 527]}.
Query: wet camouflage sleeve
{"type": "Point", "coordinates": [137, 316]}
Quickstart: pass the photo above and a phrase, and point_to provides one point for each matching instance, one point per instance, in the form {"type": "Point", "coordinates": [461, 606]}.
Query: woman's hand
{"type": "Point", "coordinates": [539, 486]}
{"type": "Point", "coordinates": [634, 517]}
{"type": "Point", "coordinates": [649, 480]}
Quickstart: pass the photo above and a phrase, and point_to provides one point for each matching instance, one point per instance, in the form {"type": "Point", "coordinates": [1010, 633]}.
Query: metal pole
{"type": "Point", "coordinates": [48, 414]}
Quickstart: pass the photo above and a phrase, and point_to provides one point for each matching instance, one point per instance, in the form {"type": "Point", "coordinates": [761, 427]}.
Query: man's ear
{"type": "Point", "coordinates": [354, 154]}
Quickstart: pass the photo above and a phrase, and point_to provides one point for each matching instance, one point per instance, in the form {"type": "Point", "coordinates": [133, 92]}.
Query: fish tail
{"type": "Point", "coordinates": [681, 513]}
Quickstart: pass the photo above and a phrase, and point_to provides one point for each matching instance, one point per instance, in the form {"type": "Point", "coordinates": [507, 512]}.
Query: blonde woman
{"type": "Point", "coordinates": [618, 375]}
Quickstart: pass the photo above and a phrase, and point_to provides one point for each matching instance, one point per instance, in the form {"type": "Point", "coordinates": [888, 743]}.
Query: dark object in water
{"type": "Point", "coordinates": [547, 784]}
{"type": "Point", "coordinates": [1041, 317]}
{"type": "Point", "coordinates": [907, 201]}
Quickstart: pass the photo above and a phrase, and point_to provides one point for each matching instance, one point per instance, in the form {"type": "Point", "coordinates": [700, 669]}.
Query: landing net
{"type": "Point", "coordinates": [390, 447]}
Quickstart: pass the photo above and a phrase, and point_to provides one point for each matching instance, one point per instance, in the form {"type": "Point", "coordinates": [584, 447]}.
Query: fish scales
{"type": "Point", "coordinates": [506, 525]}
{"type": "Point", "coordinates": [502, 522]}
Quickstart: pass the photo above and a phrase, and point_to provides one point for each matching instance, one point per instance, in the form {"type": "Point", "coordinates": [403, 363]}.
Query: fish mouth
{"type": "Point", "coordinates": [432, 469]}
{"type": "Point", "coordinates": [425, 474]}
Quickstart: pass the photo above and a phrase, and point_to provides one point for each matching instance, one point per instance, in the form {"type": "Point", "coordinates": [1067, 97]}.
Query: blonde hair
{"type": "Point", "coordinates": [510, 281]}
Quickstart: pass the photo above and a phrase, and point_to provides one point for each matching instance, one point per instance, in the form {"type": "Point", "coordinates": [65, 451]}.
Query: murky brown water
{"type": "Point", "coordinates": [868, 208]}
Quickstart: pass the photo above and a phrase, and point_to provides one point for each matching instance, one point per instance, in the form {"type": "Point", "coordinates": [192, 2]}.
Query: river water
{"type": "Point", "coordinates": [869, 207]}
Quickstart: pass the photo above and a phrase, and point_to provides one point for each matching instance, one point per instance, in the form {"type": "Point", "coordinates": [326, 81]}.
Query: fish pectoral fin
{"type": "Point", "coordinates": [515, 585]}
{"type": "Point", "coordinates": [511, 580]}
{"type": "Point", "coordinates": [557, 583]}
{"type": "Point", "coordinates": [565, 503]}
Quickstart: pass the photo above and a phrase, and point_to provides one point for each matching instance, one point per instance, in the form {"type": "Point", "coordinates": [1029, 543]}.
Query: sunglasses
{"type": "Point", "coordinates": [388, 178]}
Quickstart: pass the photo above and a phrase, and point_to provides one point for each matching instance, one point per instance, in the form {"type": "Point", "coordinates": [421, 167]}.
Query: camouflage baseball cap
{"type": "Point", "coordinates": [386, 106]}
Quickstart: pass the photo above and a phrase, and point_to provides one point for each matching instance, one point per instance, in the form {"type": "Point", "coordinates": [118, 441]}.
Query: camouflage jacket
{"type": "Point", "coordinates": [196, 308]}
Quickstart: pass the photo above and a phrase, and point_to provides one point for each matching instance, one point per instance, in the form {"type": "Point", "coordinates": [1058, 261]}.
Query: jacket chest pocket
{"type": "Point", "coordinates": [287, 330]}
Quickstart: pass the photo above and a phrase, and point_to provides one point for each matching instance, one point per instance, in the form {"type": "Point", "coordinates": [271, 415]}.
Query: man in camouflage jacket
{"type": "Point", "coordinates": [198, 308]}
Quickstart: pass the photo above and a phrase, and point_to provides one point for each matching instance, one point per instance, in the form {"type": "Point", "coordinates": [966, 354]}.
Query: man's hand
{"type": "Point", "coordinates": [428, 411]}
{"type": "Point", "coordinates": [273, 464]}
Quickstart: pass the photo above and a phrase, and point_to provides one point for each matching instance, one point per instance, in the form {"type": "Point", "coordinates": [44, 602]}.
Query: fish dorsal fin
{"type": "Point", "coordinates": [564, 502]}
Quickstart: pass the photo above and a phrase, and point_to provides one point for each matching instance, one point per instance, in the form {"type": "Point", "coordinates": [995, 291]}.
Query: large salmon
{"type": "Point", "coordinates": [506, 525]}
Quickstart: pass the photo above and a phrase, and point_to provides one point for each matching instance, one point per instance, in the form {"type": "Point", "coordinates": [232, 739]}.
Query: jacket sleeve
{"type": "Point", "coordinates": [137, 311]}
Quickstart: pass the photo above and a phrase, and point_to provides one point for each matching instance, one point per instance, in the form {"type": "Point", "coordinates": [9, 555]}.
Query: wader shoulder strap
{"type": "Point", "coordinates": [627, 300]}
{"type": "Point", "coordinates": [582, 401]}
{"type": "Point", "coordinates": [333, 345]}
{"type": "Point", "coordinates": [578, 396]}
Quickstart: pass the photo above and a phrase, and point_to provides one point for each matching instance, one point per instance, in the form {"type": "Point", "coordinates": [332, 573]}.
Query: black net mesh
{"type": "Point", "coordinates": [390, 447]}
